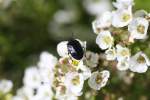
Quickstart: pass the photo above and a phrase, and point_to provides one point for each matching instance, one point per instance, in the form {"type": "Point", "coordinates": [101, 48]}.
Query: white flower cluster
{"type": "Point", "coordinates": [122, 22]}
{"type": "Point", "coordinates": [64, 79]}
{"type": "Point", "coordinates": [61, 79]}
{"type": "Point", "coordinates": [38, 80]}
{"type": "Point", "coordinates": [70, 81]}
{"type": "Point", "coordinates": [76, 72]}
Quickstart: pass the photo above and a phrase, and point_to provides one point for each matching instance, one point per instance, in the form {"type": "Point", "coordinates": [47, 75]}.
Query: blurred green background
{"type": "Point", "coordinates": [28, 27]}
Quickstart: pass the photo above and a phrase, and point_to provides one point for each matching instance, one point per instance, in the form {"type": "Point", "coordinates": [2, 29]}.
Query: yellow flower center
{"type": "Point", "coordinates": [141, 59]}
{"type": "Point", "coordinates": [98, 79]}
{"type": "Point", "coordinates": [76, 80]}
{"type": "Point", "coordinates": [126, 17]}
{"type": "Point", "coordinates": [141, 28]}
{"type": "Point", "coordinates": [107, 39]}
{"type": "Point", "coordinates": [124, 52]}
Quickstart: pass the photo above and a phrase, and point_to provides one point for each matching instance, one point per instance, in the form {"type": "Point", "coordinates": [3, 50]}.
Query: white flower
{"type": "Point", "coordinates": [123, 64]}
{"type": "Point", "coordinates": [121, 18]}
{"type": "Point", "coordinates": [98, 79]}
{"type": "Point", "coordinates": [102, 22]}
{"type": "Point", "coordinates": [138, 28]}
{"type": "Point", "coordinates": [62, 49]}
{"type": "Point", "coordinates": [5, 86]}
{"type": "Point", "coordinates": [110, 54]}
{"type": "Point", "coordinates": [104, 40]}
{"type": "Point", "coordinates": [123, 4]}
{"type": "Point", "coordinates": [86, 72]}
{"type": "Point", "coordinates": [47, 61]}
{"type": "Point", "coordinates": [44, 92]}
{"type": "Point", "coordinates": [63, 94]}
{"type": "Point", "coordinates": [47, 76]}
{"type": "Point", "coordinates": [26, 93]}
{"type": "Point", "coordinates": [32, 77]}
{"type": "Point", "coordinates": [122, 52]}
{"type": "Point", "coordinates": [97, 7]}
{"type": "Point", "coordinates": [92, 59]}
{"type": "Point", "coordinates": [74, 82]}
{"type": "Point", "coordinates": [139, 63]}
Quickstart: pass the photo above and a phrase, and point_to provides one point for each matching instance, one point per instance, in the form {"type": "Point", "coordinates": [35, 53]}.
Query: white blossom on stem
{"type": "Point", "coordinates": [102, 22]}
{"type": "Point", "coordinates": [122, 52]}
{"type": "Point", "coordinates": [104, 40]}
{"type": "Point", "coordinates": [121, 17]}
{"type": "Point", "coordinates": [110, 54]}
{"type": "Point", "coordinates": [74, 82]}
{"type": "Point", "coordinates": [138, 28]}
{"type": "Point", "coordinates": [98, 79]}
{"type": "Point", "coordinates": [139, 63]}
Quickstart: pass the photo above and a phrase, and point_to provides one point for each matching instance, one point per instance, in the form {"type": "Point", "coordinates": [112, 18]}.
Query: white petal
{"type": "Point", "coordinates": [86, 72]}
{"type": "Point", "coordinates": [136, 31]}
{"type": "Point", "coordinates": [18, 98]}
{"type": "Point", "coordinates": [105, 73]}
{"type": "Point", "coordinates": [145, 57]}
{"type": "Point", "coordinates": [121, 18]}
{"type": "Point", "coordinates": [32, 77]}
{"type": "Point", "coordinates": [75, 89]}
{"type": "Point", "coordinates": [104, 21]}
{"type": "Point", "coordinates": [47, 60]}
{"type": "Point", "coordinates": [123, 65]}
{"type": "Point", "coordinates": [123, 4]}
{"type": "Point", "coordinates": [110, 54]}
{"type": "Point", "coordinates": [122, 52]}
{"type": "Point", "coordinates": [62, 48]}
{"type": "Point", "coordinates": [92, 83]}
{"type": "Point", "coordinates": [140, 13]}
{"type": "Point", "coordinates": [137, 66]}
{"type": "Point", "coordinates": [142, 68]}
{"type": "Point", "coordinates": [104, 40]}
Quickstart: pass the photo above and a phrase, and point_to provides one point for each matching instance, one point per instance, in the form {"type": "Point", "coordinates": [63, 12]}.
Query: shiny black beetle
{"type": "Point", "coordinates": [75, 49]}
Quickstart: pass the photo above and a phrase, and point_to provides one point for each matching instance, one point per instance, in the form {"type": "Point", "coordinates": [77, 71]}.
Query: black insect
{"type": "Point", "coordinates": [75, 49]}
